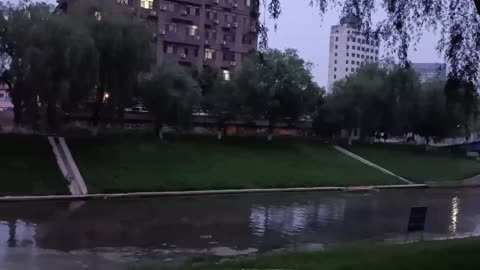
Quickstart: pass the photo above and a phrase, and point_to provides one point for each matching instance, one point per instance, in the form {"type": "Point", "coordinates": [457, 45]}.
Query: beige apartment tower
{"type": "Point", "coordinates": [349, 50]}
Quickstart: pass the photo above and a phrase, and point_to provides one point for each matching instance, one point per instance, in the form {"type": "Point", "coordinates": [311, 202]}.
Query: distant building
{"type": "Point", "coordinates": [349, 49]}
{"type": "Point", "coordinates": [427, 71]}
{"type": "Point", "coordinates": [197, 33]}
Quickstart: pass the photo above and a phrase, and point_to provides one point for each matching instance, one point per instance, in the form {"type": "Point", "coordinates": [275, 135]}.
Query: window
{"type": "Point", "coordinates": [191, 10]}
{"type": "Point", "coordinates": [98, 15]}
{"type": "Point", "coordinates": [361, 64]}
{"type": "Point", "coordinates": [226, 75]}
{"type": "Point", "coordinates": [191, 30]}
{"type": "Point", "coordinates": [352, 69]}
{"type": "Point", "coordinates": [363, 49]}
{"type": "Point", "coordinates": [362, 56]}
{"type": "Point", "coordinates": [353, 47]}
{"type": "Point", "coordinates": [367, 50]}
{"type": "Point", "coordinates": [209, 53]}
{"type": "Point", "coordinates": [372, 43]}
{"type": "Point", "coordinates": [336, 46]}
{"type": "Point", "coordinates": [353, 39]}
{"type": "Point", "coordinates": [336, 38]}
{"type": "Point", "coordinates": [346, 69]}
{"type": "Point", "coordinates": [167, 48]}
{"type": "Point", "coordinates": [171, 27]}
{"type": "Point", "coordinates": [347, 54]}
{"type": "Point", "coordinates": [248, 3]}
{"type": "Point", "coordinates": [358, 63]}
{"type": "Point", "coordinates": [148, 4]}
{"type": "Point", "coordinates": [171, 6]}
{"type": "Point", "coordinates": [353, 55]}
{"type": "Point", "coordinates": [335, 54]}
{"type": "Point", "coordinates": [376, 51]}
{"type": "Point", "coordinates": [376, 43]}
{"type": "Point", "coordinates": [376, 58]}
{"type": "Point", "coordinates": [348, 38]}
{"type": "Point", "coordinates": [334, 76]}
{"type": "Point", "coordinates": [185, 51]}
{"type": "Point", "coordinates": [335, 61]}
{"type": "Point", "coordinates": [334, 69]}
{"type": "Point", "coordinates": [348, 47]}
{"type": "Point", "coordinates": [348, 32]}
{"type": "Point", "coordinates": [346, 62]}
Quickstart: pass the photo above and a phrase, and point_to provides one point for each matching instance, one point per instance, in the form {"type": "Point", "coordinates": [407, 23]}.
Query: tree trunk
{"type": "Point", "coordinates": [221, 130]}
{"type": "Point", "coordinates": [350, 137]}
{"type": "Point", "coordinates": [271, 127]}
{"type": "Point", "coordinates": [159, 129]}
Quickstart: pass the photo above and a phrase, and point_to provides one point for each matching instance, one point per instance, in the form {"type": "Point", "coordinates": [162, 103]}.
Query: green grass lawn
{"type": "Point", "coordinates": [418, 165]}
{"type": "Point", "coordinates": [436, 255]}
{"type": "Point", "coordinates": [28, 167]}
{"type": "Point", "coordinates": [120, 164]}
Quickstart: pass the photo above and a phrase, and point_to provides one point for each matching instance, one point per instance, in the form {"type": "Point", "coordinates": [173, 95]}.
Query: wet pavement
{"type": "Point", "coordinates": [116, 234]}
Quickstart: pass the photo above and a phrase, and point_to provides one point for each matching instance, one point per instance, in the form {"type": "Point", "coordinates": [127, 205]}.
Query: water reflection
{"type": "Point", "coordinates": [260, 221]}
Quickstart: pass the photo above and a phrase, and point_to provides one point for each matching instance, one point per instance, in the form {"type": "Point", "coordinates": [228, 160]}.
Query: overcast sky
{"type": "Point", "coordinates": [301, 27]}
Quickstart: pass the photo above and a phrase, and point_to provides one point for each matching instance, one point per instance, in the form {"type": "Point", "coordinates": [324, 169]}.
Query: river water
{"type": "Point", "coordinates": [114, 234]}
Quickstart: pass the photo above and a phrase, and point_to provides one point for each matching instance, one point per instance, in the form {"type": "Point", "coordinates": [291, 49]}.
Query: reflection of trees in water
{"type": "Point", "coordinates": [243, 221]}
{"type": "Point", "coordinates": [12, 233]}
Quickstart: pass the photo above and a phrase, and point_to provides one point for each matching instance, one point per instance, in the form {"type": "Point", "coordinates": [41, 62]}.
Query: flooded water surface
{"type": "Point", "coordinates": [113, 234]}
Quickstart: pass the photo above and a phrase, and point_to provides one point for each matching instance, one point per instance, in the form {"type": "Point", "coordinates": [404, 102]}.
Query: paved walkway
{"type": "Point", "coordinates": [371, 164]}
{"type": "Point", "coordinates": [67, 166]}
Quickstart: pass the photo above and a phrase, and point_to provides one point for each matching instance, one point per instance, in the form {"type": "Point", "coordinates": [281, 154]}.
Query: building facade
{"type": "Point", "coordinates": [349, 50]}
{"type": "Point", "coordinates": [428, 71]}
{"type": "Point", "coordinates": [217, 34]}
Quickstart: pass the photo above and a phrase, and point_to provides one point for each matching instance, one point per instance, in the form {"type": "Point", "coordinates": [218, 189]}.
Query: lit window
{"type": "Point", "coordinates": [248, 3]}
{"type": "Point", "coordinates": [98, 15]}
{"type": "Point", "coordinates": [148, 4]}
{"type": "Point", "coordinates": [209, 53]}
{"type": "Point", "coordinates": [226, 74]}
{"type": "Point", "coordinates": [192, 30]}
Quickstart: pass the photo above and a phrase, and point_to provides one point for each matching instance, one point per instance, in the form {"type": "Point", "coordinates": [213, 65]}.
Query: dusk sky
{"type": "Point", "coordinates": [301, 27]}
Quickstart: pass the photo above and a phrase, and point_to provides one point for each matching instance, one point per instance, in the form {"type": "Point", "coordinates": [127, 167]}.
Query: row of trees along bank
{"type": "Point", "coordinates": [56, 63]}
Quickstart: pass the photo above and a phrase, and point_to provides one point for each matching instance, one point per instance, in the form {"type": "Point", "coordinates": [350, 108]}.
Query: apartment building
{"type": "Point", "coordinates": [217, 34]}
{"type": "Point", "coordinates": [349, 49]}
{"type": "Point", "coordinates": [428, 71]}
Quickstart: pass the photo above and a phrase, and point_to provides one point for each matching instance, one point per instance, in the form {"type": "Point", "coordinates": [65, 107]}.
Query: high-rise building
{"type": "Point", "coordinates": [427, 71]}
{"type": "Point", "coordinates": [349, 49]}
{"type": "Point", "coordinates": [197, 33]}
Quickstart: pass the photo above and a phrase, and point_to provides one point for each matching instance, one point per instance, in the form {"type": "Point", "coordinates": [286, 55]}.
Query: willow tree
{"type": "Point", "coordinates": [456, 21]}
